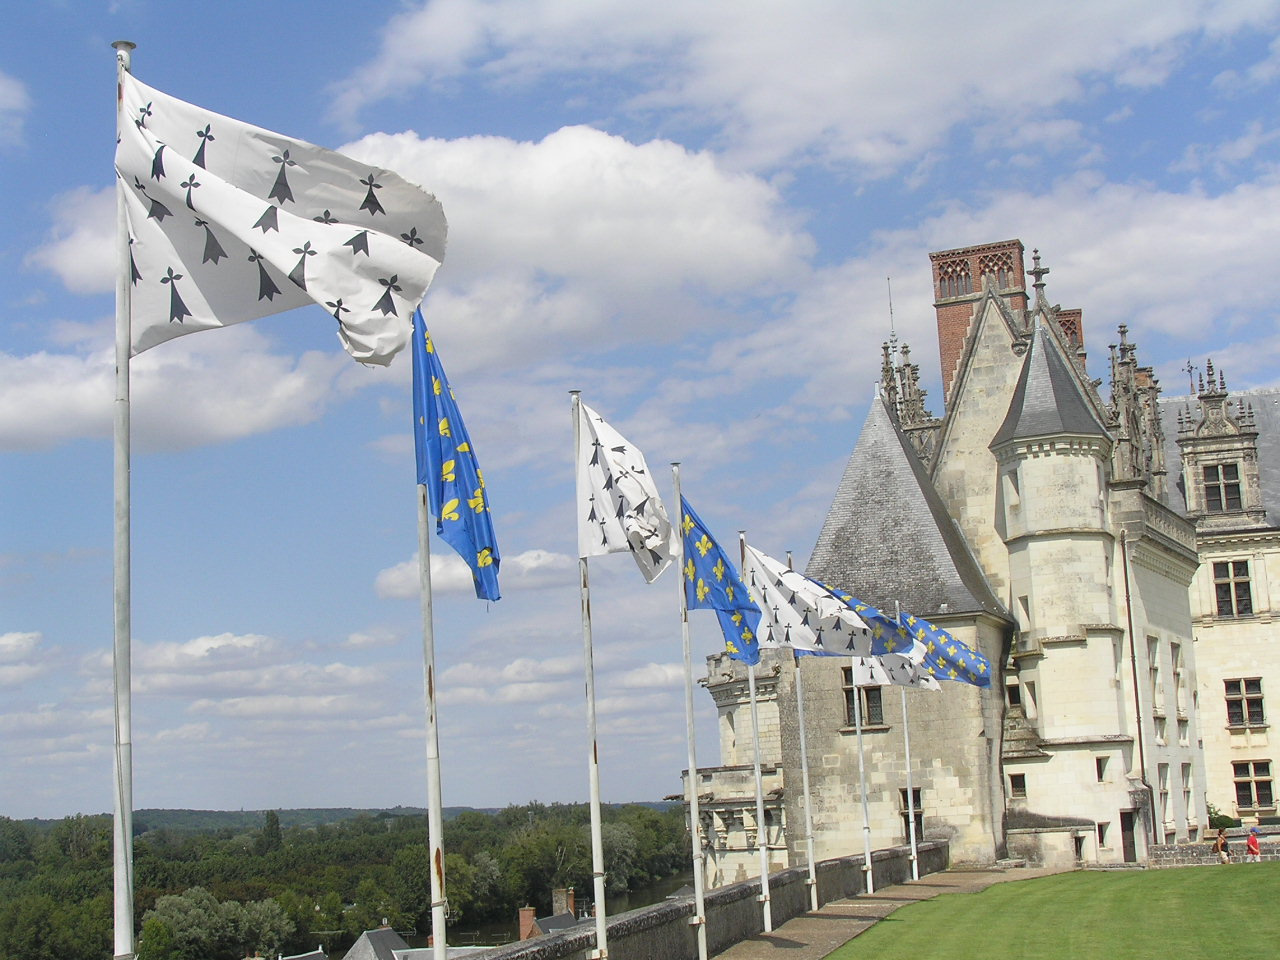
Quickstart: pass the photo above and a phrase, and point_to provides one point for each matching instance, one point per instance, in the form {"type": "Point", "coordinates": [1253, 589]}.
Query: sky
{"type": "Point", "coordinates": [693, 213]}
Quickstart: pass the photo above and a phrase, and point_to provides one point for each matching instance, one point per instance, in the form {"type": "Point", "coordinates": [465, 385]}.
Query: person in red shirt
{"type": "Point", "coordinates": [1253, 854]}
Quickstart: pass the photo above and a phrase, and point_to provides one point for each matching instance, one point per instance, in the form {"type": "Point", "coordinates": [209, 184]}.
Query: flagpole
{"type": "Point", "coordinates": [593, 753]}
{"type": "Point", "coordinates": [812, 882]}
{"type": "Point", "coordinates": [122, 819]}
{"type": "Point", "coordinates": [691, 784]}
{"type": "Point", "coordinates": [911, 801]}
{"type": "Point", "coordinates": [862, 780]}
{"type": "Point", "coordinates": [435, 809]}
{"type": "Point", "coordinates": [762, 834]}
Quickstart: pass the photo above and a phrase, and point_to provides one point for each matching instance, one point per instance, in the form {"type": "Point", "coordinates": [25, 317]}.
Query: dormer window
{"type": "Point", "coordinates": [1222, 488]}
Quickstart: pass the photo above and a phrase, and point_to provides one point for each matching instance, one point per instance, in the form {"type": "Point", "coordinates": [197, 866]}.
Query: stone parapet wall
{"type": "Point", "coordinates": [733, 912]}
{"type": "Point", "coordinates": [1196, 854]}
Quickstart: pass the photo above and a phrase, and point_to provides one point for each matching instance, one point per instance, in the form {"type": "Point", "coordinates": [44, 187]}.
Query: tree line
{"type": "Point", "coordinates": [229, 893]}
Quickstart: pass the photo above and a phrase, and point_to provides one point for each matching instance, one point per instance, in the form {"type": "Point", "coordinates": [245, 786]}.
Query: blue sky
{"type": "Point", "coordinates": [686, 211]}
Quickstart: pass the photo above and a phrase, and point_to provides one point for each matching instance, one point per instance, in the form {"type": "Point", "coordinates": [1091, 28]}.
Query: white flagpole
{"type": "Point", "coordinates": [804, 779]}
{"type": "Point", "coordinates": [122, 820]}
{"type": "Point", "coordinates": [691, 784]}
{"type": "Point", "coordinates": [435, 808]}
{"type": "Point", "coordinates": [862, 780]}
{"type": "Point", "coordinates": [593, 753]}
{"type": "Point", "coordinates": [762, 833]}
{"type": "Point", "coordinates": [911, 801]}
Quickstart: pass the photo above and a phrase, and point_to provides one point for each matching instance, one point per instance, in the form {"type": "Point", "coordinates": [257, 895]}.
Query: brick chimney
{"type": "Point", "coordinates": [959, 277]}
{"type": "Point", "coordinates": [562, 901]}
{"type": "Point", "coordinates": [527, 926]}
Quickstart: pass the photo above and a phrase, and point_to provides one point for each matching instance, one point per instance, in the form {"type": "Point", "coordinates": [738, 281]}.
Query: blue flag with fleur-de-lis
{"type": "Point", "coordinates": [712, 583]}
{"type": "Point", "coordinates": [447, 466]}
{"type": "Point", "coordinates": [947, 658]}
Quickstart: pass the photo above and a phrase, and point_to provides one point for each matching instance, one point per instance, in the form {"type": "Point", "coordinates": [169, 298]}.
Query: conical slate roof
{"type": "Point", "coordinates": [1048, 400]}
{"type": "Point", "coordinates": [888, 536]}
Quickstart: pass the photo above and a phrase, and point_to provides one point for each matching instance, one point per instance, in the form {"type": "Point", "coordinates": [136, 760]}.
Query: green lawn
{"type": "Point", "coordinates": [1210, 912]}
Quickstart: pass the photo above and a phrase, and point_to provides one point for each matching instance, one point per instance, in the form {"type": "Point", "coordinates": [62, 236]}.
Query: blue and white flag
{"type": "Point", "coordinates": [711, 582]}
{"type": "Point", "coordinates": [230, 222]}
{"type": "Point", "coordinates": [938, 653]}
{"type": "Point", "coordinates": [447, 467]}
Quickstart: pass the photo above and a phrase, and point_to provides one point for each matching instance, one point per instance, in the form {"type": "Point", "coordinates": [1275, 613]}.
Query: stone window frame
{"type": "Point", "coordinates": [1017, 786]}
{"type": "Point", "coordinates": [917, 796]}
{"type": "Point", "coordinates": [872, 714]}
{"type": "Point", "coordinates": [1223, 493]}
{"type": "Point", "coordinates": [1232, 588]}
{"type": "Point", "coordinates": [1253, 782]}
{"type": "Point", "coordinates": [1245, 703]}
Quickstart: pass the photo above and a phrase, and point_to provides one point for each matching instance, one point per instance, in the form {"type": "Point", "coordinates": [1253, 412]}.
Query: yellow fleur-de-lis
{"type": "Point", "coordinates": [687, 525]}
{"type": "Point", "coordinates": [704, 545]}
{"type": "Point", "coordinates": [431, 347]}
{"type": "Point", "coordinates": [450, 510]}
{"type": "Point", "coordinates": [728, 592]}
{"type": "Point", "coordinates": [688, 569]}
{"type": "Point", "coordinates": [480, 477]}
{"type": "Point", "coordinates": [748, 635]}
{"type": "Point", "coordinates": [446, 470]}
{"type": "Point", "coordinates": [435, 386]}
{"type": "Point", "coordinates": [731, 647]}
{"type": "Point", "coordinates": [703, 589]}
{"type": "Point", "coordinates": [736, 618]}
{"type": "Point", "coordinates": [484, 558]}
{"type": "Point", "coordinates": [718, 569]}
{"type": "Point", "coordinates": [476, 502]}
{"type": "Point", "coordinates": [982, 667]}
{"type": "Point", "coordinates": [444, 427]}
{"type": "Point", "coordinates": [463, 447]}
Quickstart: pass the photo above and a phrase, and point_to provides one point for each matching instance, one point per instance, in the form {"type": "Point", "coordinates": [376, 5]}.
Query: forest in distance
{"type": "Point", "coordinates": [215, 885]}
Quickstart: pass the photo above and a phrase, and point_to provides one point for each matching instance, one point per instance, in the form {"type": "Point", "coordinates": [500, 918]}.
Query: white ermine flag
{"type": "Point", "coordinates": [230, 222]}
{"type": "Point", "coordinates": [893, 669]}
{"type": "Point", "coordinates": [798, 614]}
{"type": "Point", "coordinates": [618, 504]}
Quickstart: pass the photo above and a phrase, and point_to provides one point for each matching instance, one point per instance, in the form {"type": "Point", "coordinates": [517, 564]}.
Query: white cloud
{"type": "Point", "coordinates": [14, 106]}
{"type": "Point", "coordinates": [833, 82]}
{"type": "Point", "coordinates": [226, 386]}
{"type": "Point", "coordinates": [82, 246]}
{"type": "Point", "coordinates": [667, 675]}
{"type": "Point", "coordinates": [450, 574]}
{"type": "Point", "coordinates": [18, 646]}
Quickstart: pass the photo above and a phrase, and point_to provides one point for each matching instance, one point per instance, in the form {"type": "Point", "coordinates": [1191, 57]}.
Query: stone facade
{"type": "Point", "coordinates": [1228, 452]}
{"type": "Point", "coordinates": [1033, 522]}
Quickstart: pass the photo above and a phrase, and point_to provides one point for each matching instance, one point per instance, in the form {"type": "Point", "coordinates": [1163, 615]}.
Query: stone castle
{"type": "Point", "coordinates": [1113, 557]}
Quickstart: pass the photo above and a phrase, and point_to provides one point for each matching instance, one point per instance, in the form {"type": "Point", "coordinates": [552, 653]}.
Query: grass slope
{"type": "Point", "coordinates": [1215, 913]}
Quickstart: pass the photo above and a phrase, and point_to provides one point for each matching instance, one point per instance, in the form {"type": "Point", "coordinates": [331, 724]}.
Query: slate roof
{"type": "Point", "coordinates": [380, 944]}
{"type": "Point", "coordinates": [1048, 400]}
{"type": "Point", "coordinates": [1266, 412]}
{"type": "Point", "coordinates": [888, 535]}
{"type": "Point", "coordinates": [561, 921]}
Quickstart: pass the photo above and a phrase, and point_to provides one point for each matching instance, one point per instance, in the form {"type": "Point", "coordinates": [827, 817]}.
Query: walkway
{"type": "Point", "coordinates": [811, 936]}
